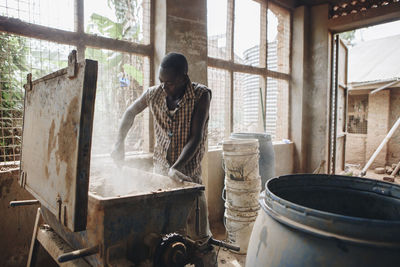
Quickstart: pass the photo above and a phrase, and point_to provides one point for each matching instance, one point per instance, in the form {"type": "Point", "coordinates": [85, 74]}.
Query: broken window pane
{"type": "Point", "coordinates": [247, 32]}
{"type": "Point", "coordinates": [278, 38]}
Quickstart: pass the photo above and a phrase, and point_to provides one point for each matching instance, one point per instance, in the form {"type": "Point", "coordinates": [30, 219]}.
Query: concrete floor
{"type": "Point", "coordinates": [226, 258]}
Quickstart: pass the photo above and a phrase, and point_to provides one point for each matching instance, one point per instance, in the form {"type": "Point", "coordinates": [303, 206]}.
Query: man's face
{"type": "Point", "coordinates": [173, 83]}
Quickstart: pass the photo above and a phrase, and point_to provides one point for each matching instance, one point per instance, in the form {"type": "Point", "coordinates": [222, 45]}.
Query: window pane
{"type": "Point", "coordinates": [247, 32]}
{"type": "Point", "coordinates": [219, 83]}
{"type": "Point", "coordinates": [217, 12]}
{"type": "Point", "coordinates": [246, 107]}
{"type": "Point", "coordinates": [50, 13]}
{"type": "Point", "coordinates": [357, 120]}
{"type": "Point", "coordinates": [116, 19]}
{"type": "Point", "coordinates": [18, 57]}
{"type": "Point", "coordinates": [121, 79]}
{"type": "Point", "coordinates": [278, 38]}
{"type": "Point", "coordinates": [277, 110]}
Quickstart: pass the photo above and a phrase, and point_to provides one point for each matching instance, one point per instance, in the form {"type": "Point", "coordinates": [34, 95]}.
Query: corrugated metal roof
{"type": "Point", "coordinates": [375, 60]}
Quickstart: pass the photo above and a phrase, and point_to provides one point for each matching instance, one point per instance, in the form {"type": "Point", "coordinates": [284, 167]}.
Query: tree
{"type": "Point", "coordinates": [120, 79]}
{"type": "Point", "coordinates": [348, 37]}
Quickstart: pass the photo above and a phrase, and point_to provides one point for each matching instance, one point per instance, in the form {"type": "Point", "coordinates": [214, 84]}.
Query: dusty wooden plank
{"type": "Point", "coordinates": [16, 26]}
{"type": "Point", "coordinates": [56, 246]}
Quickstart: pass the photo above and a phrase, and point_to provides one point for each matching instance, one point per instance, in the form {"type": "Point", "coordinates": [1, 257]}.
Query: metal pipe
{"type": "Point", "coordinates": [18, 203]}
{"type": "Point", "coordinates": [388, 136]}
{"type": "Point", "coordinates": [223, 244]}
{"type": "Point", "coordinates": [197, 217]}
{"type": "Point", "coordinates": [76, 254]}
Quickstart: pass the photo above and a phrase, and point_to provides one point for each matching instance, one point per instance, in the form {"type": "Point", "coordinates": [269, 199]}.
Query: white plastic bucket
{"type": "Point", "coordinates": [242, 195]}
{"type": "Point", "coordinates": [239, 226]}
{"type": "Point", "coordinates": [241, 159]}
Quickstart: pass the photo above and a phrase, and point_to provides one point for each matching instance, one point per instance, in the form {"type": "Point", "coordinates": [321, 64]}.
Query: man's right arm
{"type": "Point", "coordinates": [137, 106]}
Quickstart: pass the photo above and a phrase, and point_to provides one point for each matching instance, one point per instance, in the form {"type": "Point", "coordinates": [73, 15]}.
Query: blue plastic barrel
{"type": "Point", "coordinates": [322, 220]}
{"type": "Point", "coordinates": [267, 155]}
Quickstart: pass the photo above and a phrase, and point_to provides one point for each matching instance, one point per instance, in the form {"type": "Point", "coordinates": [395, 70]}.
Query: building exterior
{"type": "Point", "coordinates": [371, 113]}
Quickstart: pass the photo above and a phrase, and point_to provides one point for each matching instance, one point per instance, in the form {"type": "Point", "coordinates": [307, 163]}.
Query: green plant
{"type": "Point", "coordinates": [13, 52]}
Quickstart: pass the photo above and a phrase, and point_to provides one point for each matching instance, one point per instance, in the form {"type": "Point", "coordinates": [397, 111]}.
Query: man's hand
{"type": "Point", "coordinates": [178, 176]}
{"type": "Point", "coordinates": [118, 153]}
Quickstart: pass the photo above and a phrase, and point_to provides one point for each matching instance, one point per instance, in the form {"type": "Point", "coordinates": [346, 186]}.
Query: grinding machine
{"type": "Point", "coordinates": [90, 228]}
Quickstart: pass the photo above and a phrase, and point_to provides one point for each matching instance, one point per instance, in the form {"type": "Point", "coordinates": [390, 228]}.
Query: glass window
{"type": "Point", "coordinates": [50, 13]}
{"type": "Point", "coordinates": [217, 12]}
{"type": "Point", "coordinates": [277, 111]}
{"type": "Point", "coordinates": [246, 103]}
{"type": "Point", "coordinates": [122, 77]}
{"type": "Point", "coordinates": [219, 83]}
{"type": "Point", "coordinates": [18, 57]}
{"type": "Point", "coordinates": [116, 19]}
{"type": "Point", "coordinates": [247, 32]}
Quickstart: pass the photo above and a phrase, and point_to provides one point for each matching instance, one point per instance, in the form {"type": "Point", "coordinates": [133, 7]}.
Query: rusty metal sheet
{"type": "Point", "coordinates": [56, 144]}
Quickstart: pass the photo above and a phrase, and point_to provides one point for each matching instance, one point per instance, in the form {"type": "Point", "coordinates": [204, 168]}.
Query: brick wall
{"type": "Point", "coordinates": [393, 153]}
{"type": "Point", "coordinates": [355, 148]}
{"type": "Point", "coordinates": [378, 125]}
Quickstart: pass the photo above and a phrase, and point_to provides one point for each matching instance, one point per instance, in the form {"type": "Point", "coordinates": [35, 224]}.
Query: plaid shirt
{"type": "Point", "coordinates": [172, 131]}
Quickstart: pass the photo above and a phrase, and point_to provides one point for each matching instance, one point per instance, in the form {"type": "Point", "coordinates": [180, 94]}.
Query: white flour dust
{"type": "Point", "coordinates": [108, 180]}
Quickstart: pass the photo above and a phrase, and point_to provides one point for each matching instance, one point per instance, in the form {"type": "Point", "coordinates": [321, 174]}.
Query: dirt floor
{"type": "Point", "coordinates": [354, 171]}
{"type": "Point", "coordinates": [226, 258]}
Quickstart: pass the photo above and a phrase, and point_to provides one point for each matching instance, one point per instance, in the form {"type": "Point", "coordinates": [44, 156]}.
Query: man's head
{"type": "Point", "coordinates": [173, 74]}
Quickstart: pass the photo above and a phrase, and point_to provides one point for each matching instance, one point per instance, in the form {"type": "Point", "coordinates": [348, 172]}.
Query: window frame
{"type": "Point", "coordinates": [82, 40]}
{"type": "Point", "coordinates": [233, 67]}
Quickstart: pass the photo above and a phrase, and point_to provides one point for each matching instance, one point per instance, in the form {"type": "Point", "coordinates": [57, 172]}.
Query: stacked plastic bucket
{"type": "Point", "coordinates": [242, 188]}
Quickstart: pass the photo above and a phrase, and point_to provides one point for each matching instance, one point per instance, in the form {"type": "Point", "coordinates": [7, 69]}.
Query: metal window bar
{"type": "Point", "coordinates": [276, 53]}
{"type": "Point", "coordinates": [25, 19]}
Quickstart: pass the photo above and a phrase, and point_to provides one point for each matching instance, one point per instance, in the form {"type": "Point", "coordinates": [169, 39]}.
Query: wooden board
{"type": "Point", "coordinates": [56, 144]}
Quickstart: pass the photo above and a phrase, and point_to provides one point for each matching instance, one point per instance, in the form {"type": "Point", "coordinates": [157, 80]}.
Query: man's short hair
{"type": "Point", "coordinates": [175, 61]}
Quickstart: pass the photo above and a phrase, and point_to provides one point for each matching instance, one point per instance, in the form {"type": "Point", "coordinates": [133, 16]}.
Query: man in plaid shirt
{"type": "Point", "coordinates": [180, 111]}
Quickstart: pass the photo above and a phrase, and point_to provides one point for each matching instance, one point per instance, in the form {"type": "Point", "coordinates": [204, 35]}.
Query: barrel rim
{"type": "Point", "coordinates": [273, 206]}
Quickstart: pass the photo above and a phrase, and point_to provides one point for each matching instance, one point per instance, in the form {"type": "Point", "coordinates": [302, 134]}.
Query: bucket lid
{"type": "Point", "coordinates": [265, 136]}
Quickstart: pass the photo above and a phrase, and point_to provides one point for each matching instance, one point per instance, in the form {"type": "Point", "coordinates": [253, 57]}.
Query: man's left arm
{"type": "Point", "coordinates": [199, 119]}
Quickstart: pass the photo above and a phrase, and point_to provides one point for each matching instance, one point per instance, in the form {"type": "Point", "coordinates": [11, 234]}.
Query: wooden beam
{"type": "Point", "coordinates": [16, 26]}
{"type": "Point", "coordinates": [229, 65]}
{"type": "Point", "coordinates": [288, 4]}
{"type": "Point", "coordinates": [366, 18]}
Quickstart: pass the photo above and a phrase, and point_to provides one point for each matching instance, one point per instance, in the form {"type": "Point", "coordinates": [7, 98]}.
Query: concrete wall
{"type": "Point", "coordinates": [378, 125]}
{"type": "Point", "coordinates": [16, 224]}
{"type": "Point", "coordinates": [355, 148]}
{"type": "Point", "coordinates": [283, 165]}
{"type": "Point", "coordinates": [310, 86]}
{"type": "Point", "coordinates": [298, 86]}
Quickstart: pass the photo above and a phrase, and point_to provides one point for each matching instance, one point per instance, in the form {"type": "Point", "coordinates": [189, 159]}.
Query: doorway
{"type": "Point", "coordinates": [364, 100]}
